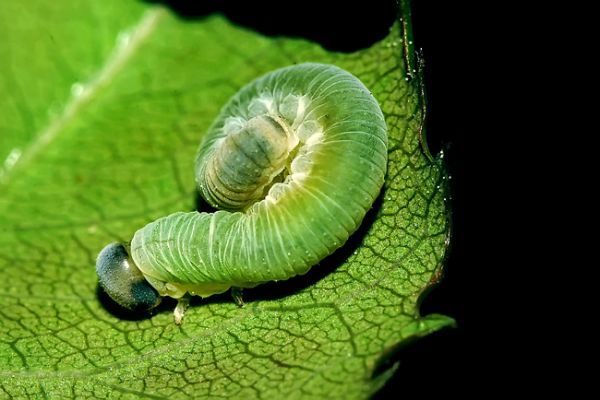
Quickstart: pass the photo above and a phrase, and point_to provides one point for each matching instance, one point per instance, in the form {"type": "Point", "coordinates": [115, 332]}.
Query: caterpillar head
{"type": "Point", "coordinates": [123, 281]}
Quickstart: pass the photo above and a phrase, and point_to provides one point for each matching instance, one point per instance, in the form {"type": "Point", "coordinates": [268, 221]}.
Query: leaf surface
{"type": "Point", "coordinates": [102, 107]}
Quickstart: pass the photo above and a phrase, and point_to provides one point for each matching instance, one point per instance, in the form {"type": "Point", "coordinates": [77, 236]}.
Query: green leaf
{"type": "Point", "coordinates": [102, 106]}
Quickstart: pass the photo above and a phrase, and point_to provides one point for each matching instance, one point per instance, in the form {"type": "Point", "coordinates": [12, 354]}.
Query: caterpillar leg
{"type": "Point", "coordinates": [182, 305]}
{"type": "Point", "coordinates": [236, 293]}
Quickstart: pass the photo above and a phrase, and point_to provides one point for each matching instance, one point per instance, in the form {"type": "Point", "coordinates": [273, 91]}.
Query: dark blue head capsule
{"type": "Point", "coordinates": [123, 281]}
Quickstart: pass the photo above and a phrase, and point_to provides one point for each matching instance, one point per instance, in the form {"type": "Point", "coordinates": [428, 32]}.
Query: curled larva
{"type": "Point", "coordinates": [293, 162]}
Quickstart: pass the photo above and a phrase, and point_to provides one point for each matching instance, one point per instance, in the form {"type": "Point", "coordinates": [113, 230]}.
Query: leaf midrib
{"type": "Point", "coordinates": [127, 43]}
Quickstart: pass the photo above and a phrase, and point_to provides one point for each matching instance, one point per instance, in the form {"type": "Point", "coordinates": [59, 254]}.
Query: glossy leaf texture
{"type": "Point", "coordinates": [102, 107]}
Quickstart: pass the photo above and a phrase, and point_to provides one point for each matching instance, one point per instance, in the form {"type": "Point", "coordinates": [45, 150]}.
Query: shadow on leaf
{"type": "Point", "coordinates": [132, 315]}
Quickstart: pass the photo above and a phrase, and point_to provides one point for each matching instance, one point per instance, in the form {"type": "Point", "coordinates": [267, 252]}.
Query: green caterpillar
{"type": "Point", "coordinates": [293, 163]}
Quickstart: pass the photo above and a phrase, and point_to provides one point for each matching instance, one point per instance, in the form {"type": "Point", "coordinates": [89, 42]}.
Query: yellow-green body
{"type": "Point", "coordinates": [294, 162]}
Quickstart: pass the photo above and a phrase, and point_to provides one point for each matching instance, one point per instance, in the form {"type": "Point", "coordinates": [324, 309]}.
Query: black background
{"type": "Point", "coordinates": [451, 361]}
{"type": "Point", "coordinates": [448, 362]}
